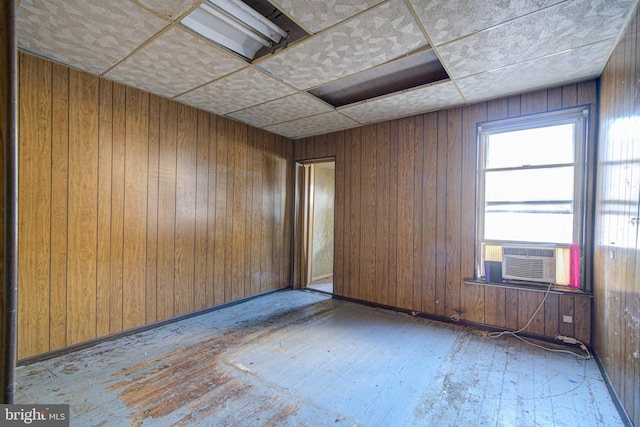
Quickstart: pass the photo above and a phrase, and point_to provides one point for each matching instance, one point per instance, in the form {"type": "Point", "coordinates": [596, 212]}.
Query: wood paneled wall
{"type": "Point", "coordinates": [136, 209]}
{"type": "Point", "coordinates": [5, 44]}
{"type": "Point", "coordinates": [405, 215]}
{"type": "Point", "coordinates": [617, 248]}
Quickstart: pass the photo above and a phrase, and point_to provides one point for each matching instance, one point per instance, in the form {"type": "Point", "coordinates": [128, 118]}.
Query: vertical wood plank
{"type": "Point", "coordinates": [83, 206]}
{"type": "Point", "coordinates": [551, 316]}
{"type": "Point", "coordinates": [383, 196]}
{"type": "Point", "coordinates": [239, 210]}
{"type": "Point", "coordinates": [153, 181]}
{"type": "Point", "coordinates": [495, 306]}
{"type": "Point", "coordinates": [277, 170]}
{"type": "Point", "coordinates": [569, 96]}
{"type": "Point", "coordinates": [213, 288]}
{"type": "Point", "coordinates": [301, 148]}
{"type": "Point", "coordinates": [167, 208]}
{"type": "Point", "coordinates": [186, 176]}
{"type": "Point", "coordinates": [284, 239]}
{"type": "Point", "coordinates": [117, 207]}
{"type": "Point", "coordinates": [356, 214]}
{"type": "Point", "coordinates": [511, 308]}
{"type": "Point", "coordinates": [248, 249]}
{"type": "Point", "coordinates": [287, 195]}
{"type": "Point", "coordinates": [582, 327]}
{"type": "Point", "coordinates": [368, 186]}
{"type": "Point", "coordinates": [281, 216]}
{"type": "Point", "coordinates": [202, 205]}
{"type": "Point", "coordinates": [554, 99]}
{"type": "Point", "coordinates": [441, 215]}
{"type": "Point", "coordinates": [228, 134]}
{"type": "Point", "coordinates": [330, 145]}
{"type": "Point", "coordinates": [348, 189]}
{"type": "Point", "coordinates": [135, 208]}
{"type": "Point", "coordinates": [587, 93]}
{"type": "Point", "coordinates": [528, 302]}
{"type": "Point", "coordinates": [278, 213]}
{"type": "Point", "coordinates": [300, 274]}
{"type": "Point", "coordinates": [429, 213]}
{"type": "Point", "coordinates": [514, 106]}
{"type": "Point", "coordinates": [534, 102]}
{"type": "Point", "coordinates": [406, 138]}
{"type": "Point", "coordinates": [454, 208]}
{"type": "Point", "coordinates": [257, 148]}
{"type": "Point", "coordinates": [321, 146]}
{"type": "Point", "coordinates": [268, 281]}
{"type": "Point", "coordinates": [220, 241]}
{"type": "Point", "coordinates": [105, 142]}
{"type": "Point", "coordinates": [339, 218]}
{"type": "Point", "coordinates": [59, 205]}
{"type": "Point", "coordinates": [418, 171]}
{"type": "Point", "coordinates": [498, 109]}
{"type": "Point", "coordinates": [393, 213]}
{"type": "Point", "coordinates": [34, 181]}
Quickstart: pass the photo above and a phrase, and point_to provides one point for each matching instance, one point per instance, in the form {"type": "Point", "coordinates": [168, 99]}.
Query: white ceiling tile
{"type": "Point", "coordinates": [447, 20]}
{"type": "Point", "coordinates": [316, 125]}
{"type": "Point", "coordinates": [174, 63]}
{"type": "Point", "coordinates": [407, 103]}
{"type": "Point", "coordinates": [235, 92]}
{"type": "Point", "coordinates": [377, 36]}
{"type": "Point", "coordinates": [525, 44]}
{"type": "Point", "coordinates": [169, 9]}
{"type": "Point", "coordinates": [281, 110]}
{"type": "Point", "coordinates": [569, 66]}
{"type": "Point", "coordinates": [317, 15]}
{"type": "Point", "coordinates": [552, 30]}
{"type": "Point", "coordinates": [89, 35]}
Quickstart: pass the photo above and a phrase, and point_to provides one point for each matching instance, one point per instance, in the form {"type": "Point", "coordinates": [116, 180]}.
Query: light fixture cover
{"type": "Point", "coordinates": [234, 25]}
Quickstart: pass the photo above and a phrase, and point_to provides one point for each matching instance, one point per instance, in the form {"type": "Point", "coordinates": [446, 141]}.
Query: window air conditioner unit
{"type": "Point", "coordinates": [529, 263]}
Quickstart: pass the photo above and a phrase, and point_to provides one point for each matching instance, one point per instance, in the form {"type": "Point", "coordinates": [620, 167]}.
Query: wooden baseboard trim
{"type": "Point", "coordinates": [612, 392]}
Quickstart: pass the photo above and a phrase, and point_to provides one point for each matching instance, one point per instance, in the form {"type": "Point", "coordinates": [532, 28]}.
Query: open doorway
{"type": "Point", "coordinates": [319, 232]}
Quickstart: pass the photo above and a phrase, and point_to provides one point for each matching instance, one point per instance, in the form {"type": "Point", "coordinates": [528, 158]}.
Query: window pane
{"type": "Point", "coordinates": [539, 146]}
{"type": "Point", "coordinates": [529, 185]}
{"type": "Point", "coordinates": [558, 208]}
{"type": "Point", "coordinates": [529, 227]}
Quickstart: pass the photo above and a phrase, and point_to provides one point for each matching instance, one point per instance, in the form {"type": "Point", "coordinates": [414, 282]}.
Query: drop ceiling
{"type": "Point", "coordinates": [488, 49]}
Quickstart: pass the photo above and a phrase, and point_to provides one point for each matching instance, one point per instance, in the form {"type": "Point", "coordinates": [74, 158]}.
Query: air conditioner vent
{"type": "Point", "coordinates": [522, 267]}
{"type": "Point", "coordinates": [529, 263]}
{"type": "Point", "coordinates": [536, 252]}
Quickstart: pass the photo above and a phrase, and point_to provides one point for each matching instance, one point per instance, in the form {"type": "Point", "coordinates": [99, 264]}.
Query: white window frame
{"type": "Point", "coordinates": [578, 116]}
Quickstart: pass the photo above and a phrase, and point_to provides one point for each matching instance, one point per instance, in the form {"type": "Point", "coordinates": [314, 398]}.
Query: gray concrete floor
{"type": "Point", "coordinates": [299, 358]}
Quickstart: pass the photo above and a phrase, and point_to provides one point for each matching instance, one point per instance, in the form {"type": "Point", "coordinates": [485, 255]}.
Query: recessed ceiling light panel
{"type": "Point", "coordinates": [235, 26]}
{"type": "Point", "coordinates": [404, 73]}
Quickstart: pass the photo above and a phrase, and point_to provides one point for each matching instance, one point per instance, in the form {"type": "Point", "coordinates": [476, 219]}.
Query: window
{"type": "Point", "coordinates": [531, 180]}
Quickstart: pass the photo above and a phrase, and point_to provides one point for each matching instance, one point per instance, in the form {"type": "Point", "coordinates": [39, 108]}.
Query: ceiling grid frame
{"type": "Point", "coordinates": [586, 48]}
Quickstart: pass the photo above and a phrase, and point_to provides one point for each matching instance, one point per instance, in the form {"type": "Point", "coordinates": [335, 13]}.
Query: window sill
{"type": "Point", "coordinates": [536, 287]}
